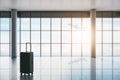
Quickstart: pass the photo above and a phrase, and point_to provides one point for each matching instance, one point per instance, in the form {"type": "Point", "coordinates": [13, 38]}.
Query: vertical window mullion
{"type": "Point", "coordinates": [30, 32]}
{"type": "Point", "coordinates": [81, 37]}
{"type": "Point", "coordinates": [102, 45]}
{"type": "Point", "coordinates": [71, 35]}
{"type": "Point", "coordinates": [50, 37]}
{"type": "Point", "coordinates": [71, 46]}
{"type": "Point", "coordinates": [61, 35]}
{"type": "Point", "coordinates": [0, 33]}
{"type": "Point", "coordinates": [40, 36]}
{"type": "Point", "coordinates": [112, 46]}
{"type": "Point", "coordinates": [9, 36]}
{"type": "Point", "coordinates": [20, 34]}
{"type": "Point", "coordinates": [81, 48]}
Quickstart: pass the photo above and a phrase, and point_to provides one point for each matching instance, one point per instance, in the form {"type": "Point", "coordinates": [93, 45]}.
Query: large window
{"type": "Point", "coordinates": [62, 35]}
{"type": "Point", "coordinates": [56, 36]}
{"type": "Point", "coordinates": [107, 35]}
{"type": "Point", "coordinates": [104, 37]}
{"type": "Point", "coordinates": [5, 31]}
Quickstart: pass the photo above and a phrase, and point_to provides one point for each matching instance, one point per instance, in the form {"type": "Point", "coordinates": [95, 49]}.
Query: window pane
{"type": "Point", "coordinates": [56, 37]}
{"type": "Point", "coordinates": [45, 23]}
{"type": "Point", "coordinates": [18, 36]}
{"type": "Point", "coordinates": [107, 23]}
{"type": "Point", "coordinates": [116, 23]}
{"type": "Point", "coordinates": [5, 36]}
{"type": "Point", "coordinates": [98, 36]}
{"type": "Point", "coordinates": [5, 50]}
{"type": "Point", "coordinates": [18, 49]}
{"type": "Point", "coordinates": [25, 36]}
{"type": "Point", "coordinates": [25, 23]}
{"type": "Point", "coordinates": [76, 36]}
{"type": "Point", "coordinates": [76, 49]}
{"type": "Point", "coordinates": [35, 36]}
{"type": "Point", "coordinates": [45, 49]}
{"type": "Point", "coordinates": [86, 24]}
{"type": "Point", "coordinates": [36, 49]}
{"type": "Point", "coordinates": [76, 23]}
{"type": "Point", "coordinates": [86, 37]}
{"type": "Point", "coordinates": [45, 36]}
{"type": "Point", "coordinates": [18, 23]}
{"type": "Point", "coordinates": [66, 23]}
{"type": "Point", "coordinates": [107, 37]}
{"type": "Point", "coordinates": [86, 50]}
{"type": "Point", "coordinates": [35, 23]}
{"type": "Point", "coordinates": [98, 23]}
{"type": "Point", "coordinates": [98, 50]}
{"type": "Point", "coordinates": [56, 50]}
{"type": "Point", "coordinates": [116, 36]}
{"type": "Point", "coordinates": [107, 49]}
{"type": "Point", "coordinates": [56, 24]}
{"type": "Point", "coordinates": [66, 50]}
{"type": "Point", "coordinates": [5, 24]}
{"type": "Point", "coordinates": [116, 49]}
{"type": "Point", "coordinates": [23, 48]}
{"type": "Point", "coordinates": [66, 37]}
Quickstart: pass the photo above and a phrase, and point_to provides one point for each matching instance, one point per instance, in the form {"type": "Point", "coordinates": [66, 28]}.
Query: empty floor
{"type": "Point", "coordinates": [63, 68]}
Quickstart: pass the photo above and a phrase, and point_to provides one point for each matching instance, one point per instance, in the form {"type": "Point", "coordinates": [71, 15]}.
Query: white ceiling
{"type": "Point", "coordinates": [60, 5]}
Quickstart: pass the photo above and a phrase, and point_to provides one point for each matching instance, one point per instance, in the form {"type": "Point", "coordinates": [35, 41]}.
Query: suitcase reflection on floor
{"type": "Point", "coordinates": [26, 77]}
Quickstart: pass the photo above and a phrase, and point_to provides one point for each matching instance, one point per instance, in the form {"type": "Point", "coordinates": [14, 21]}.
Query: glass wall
{"type": "Point", "coordinates": [5, 34]}
{"type": "Point", "coordinates": [107, 35]}
{"type": "Point", "coordinates": [61, 36]}
{"type": "Point", "coordinates": [55, 36]}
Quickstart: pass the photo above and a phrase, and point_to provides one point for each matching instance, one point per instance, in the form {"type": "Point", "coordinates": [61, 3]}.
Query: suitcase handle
{"type": "Point", "coordinates": [26, 46]}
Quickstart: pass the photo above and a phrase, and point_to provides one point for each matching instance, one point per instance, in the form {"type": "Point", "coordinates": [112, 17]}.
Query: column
{"type": "Point", "coordinates": [93, 44]}
{"type": "Point", "coordinates": [93, 33]}
{"type": "Point", "coordinates": [13, 35]}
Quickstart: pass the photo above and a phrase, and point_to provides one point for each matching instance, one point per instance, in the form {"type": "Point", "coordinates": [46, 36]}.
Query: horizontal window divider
{"type": "Point", "coordinates": [6, 30]}
{"type": "Point", "coordinates": [55, 43]}
{"type": "Point", "coordinates": [107, 43]}
{"type": "Point", "coordinates": [28, 30]}
{"type": "Point", "coordinates": [115, 30]}
{"type": "Point", "coordinates": [78, 56]}
{"type": "Point", "coordinates": [60, 56]}
{"type": "Point", "coordinates": [49, 30]}
{"type": "Point", "coordinates": [104, 30]}
{"type": "Point", "coordinates": [5, 43]}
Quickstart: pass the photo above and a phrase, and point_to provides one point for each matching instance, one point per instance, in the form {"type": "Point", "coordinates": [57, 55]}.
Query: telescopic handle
{"type": "Point", "coordinates": [26, 46]}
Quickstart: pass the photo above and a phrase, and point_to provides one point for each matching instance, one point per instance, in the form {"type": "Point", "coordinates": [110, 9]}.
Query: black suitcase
{"type": "Point", "coordinates": [26, 61]}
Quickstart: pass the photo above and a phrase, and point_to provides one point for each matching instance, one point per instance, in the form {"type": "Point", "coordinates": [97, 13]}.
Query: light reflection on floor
{"type": "Point", "coordinates": [63, 68]}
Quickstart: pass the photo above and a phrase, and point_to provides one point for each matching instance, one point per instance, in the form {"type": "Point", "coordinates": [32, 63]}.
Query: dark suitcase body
{"type": "Point", "coordinates": [26, 62]}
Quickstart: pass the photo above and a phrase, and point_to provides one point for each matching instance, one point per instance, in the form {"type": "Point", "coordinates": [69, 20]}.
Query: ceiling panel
{"type": "Point", "coordinates": [60, 5]}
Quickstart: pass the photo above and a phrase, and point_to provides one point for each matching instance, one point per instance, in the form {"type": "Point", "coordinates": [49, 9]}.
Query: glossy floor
{"type": "Point", "coordinates": [63, 68]}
